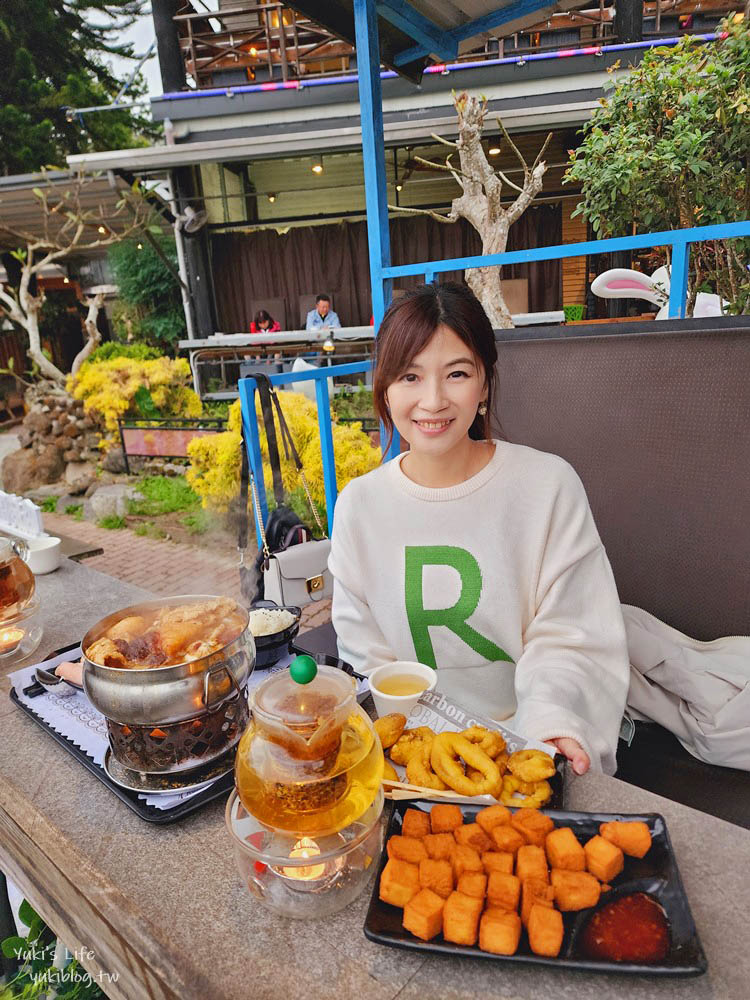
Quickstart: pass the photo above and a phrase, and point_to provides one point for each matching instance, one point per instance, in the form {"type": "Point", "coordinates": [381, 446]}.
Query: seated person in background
{"type": "Point", "coordinates": [322, 316]}
{"type": "Point", "coordinates": [264, 323]}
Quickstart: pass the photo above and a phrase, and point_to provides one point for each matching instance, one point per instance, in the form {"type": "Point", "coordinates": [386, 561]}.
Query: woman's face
{"type": "Point", "coordinates": [264, 324]}
{"type": "Point", "coordinates": [434, 401]}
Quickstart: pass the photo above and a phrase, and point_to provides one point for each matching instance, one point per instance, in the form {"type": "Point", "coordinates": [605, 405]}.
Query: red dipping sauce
{"type": "Point", "coordinates": [633, 928]}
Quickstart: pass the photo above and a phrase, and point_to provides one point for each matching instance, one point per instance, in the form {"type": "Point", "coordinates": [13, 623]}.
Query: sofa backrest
{"type": "Point", "coordinates": [657, 425]}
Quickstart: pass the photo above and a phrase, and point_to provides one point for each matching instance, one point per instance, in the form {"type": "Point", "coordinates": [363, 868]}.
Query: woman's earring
{"type": "Point", "coordinates": [482, 411]}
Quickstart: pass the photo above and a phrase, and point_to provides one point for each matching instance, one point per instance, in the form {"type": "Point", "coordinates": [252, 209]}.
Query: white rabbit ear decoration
{"type": "Point", "coordinates": [622, 283]}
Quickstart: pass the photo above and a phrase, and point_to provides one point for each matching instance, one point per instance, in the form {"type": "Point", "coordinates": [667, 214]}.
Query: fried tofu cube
{"type": "Point", "coordinates": [423, 915]}
{"type": "Point", "coordinates": [574, 890]}
{"type": "Point", "coordinates": [461, 918]}
{"type": "Point", "coordinates": [406, 849]}
{"type": "Point", "coordinates": [498, 861]}
{"type": "Point", "coordinates": [465, 859]}
{"type": "Point", "coordinates": [545, 930]}
{"type": "Point", "coordinates": [535, 890]}
{"type": "Point", "coordinates": [632, 836]}
{"type": "Point", "coordinates": [493, 816]}
{"type": "Point", "coordinates": [532, 825]}
{"type": "Point", "coordinates": [436, 875]}
{"type": "Point", "coordinates": [503, 890]}
{"type": "Point", "coordinates": [399, 882]}
{"type": "Point", "coordinates": [531, 862]}
{"type": "Point", "coordinates": [499, 932]}
{"type": "Point", "coordinates": [473, 884]}
{"type": "Point", "coordinates": [439, 845]}
{"type": "Point", "coordinates": [416, 823]}
{"type": "Point", "coordinates": [444, 818]}
{"type": "Point", "coordinates": [564, 850]}
{"type": "Point", "coordinates": [472, 835]}
{"type": "Point", "coordinates": [507, 839]}
{"type": "Point", "coordinates": [603, 859]}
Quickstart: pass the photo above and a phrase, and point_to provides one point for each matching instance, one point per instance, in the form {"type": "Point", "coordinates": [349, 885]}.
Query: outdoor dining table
{"type": "Point", "coordinates": [162, 911]}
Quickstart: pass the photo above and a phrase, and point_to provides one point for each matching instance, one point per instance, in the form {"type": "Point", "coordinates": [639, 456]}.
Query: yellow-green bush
{"type": "Point", "coordinates": [107, 388]}
{"type": "Point", "coordinates": [214, 471]}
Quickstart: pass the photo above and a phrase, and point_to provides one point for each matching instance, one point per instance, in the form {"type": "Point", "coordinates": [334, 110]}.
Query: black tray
{"type": "Point", "coordinates": [656, 874]}
{"type": "Point", "coordinates": [151, 814]}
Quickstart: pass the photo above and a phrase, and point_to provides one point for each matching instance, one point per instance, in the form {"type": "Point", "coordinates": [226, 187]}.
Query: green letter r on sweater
{"type": "Point", "coordinates": [454, 618]}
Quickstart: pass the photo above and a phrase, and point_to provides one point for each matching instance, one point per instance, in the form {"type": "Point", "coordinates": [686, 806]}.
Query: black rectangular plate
{"type": "Point", "coordinates": [656, 874]}
{"type": "Point", "coordinates": [151, 814]}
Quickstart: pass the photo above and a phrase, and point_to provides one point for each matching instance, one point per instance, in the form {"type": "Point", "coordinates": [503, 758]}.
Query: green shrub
{"type": "Point", "coordinates": [49, 505]}
{"type": "Point", "coordinates": [164, 495]}
{"type": "Point", "coordinates": [148, 529]}
{"type": "Point", "coordinates": [114, 349]}
{"type": "Point", "coordinates": [112, 522]}
{"type": "Point", "coordinates": [196, 522]}
{"type": "Point", "coordinates": [149, 308]}
{"type": "Point", "coordinates": [75, 510]}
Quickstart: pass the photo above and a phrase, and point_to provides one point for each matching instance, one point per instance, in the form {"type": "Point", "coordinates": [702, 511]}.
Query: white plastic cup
{"type": "Point", "coordinates": [403, 703]}
{"type": "Point", "coordinates": [44, 554]}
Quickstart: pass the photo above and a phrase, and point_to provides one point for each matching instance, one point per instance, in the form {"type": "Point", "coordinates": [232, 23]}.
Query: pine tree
{"type": "Point", "coordinates": [54, 54]}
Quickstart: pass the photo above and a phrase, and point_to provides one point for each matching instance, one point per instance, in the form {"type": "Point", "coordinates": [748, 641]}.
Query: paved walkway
{"type": "Point", "coordinates": [166, 567]}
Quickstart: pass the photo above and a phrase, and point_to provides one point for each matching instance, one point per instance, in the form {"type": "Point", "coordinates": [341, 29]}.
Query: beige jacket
{"type": "Point", "coordinates": [698, 690]}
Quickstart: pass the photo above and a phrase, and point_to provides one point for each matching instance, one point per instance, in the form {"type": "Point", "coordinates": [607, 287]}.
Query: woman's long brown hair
{"type": "Point", "coordinates": [410, 324]}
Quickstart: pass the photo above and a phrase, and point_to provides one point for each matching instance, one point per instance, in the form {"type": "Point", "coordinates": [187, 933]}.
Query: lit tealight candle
{"type": "Point", "coordinates": [305, 848]}
{"type": "Point", "coordinates": [9, 639]}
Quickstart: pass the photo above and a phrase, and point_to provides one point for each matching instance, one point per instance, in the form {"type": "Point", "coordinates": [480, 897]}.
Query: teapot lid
{"type": "Point", "coordinates": [304, 697]}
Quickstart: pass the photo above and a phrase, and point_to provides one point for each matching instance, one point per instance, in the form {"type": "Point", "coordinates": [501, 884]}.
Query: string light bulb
{"type": "Point", "coordinates": [101, 230]}
{"type": "Point", "coordinates": [317, 167]}
{"type": "Point", "coordinates": [494, 151]}
{"type": "Point", "coordinates": [253, 52]}
{"type": "Point", "coordinates": [399, 187]}
{"type": "Point", "coordinates": [272, 197]}
{"type": "Point", "coordinates": [139, 246]}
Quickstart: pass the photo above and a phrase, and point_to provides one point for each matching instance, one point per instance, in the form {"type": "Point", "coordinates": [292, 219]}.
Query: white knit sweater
{"type": "Point", "coordinates": [500, 582]}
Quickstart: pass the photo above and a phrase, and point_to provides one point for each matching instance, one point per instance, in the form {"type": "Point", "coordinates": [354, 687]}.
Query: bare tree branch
{"type": "Point", "coordinates": [422, 211]}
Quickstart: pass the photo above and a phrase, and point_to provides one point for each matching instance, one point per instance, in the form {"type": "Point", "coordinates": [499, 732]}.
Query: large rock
{"type": "Point", "coordinates": [25, 469]}
{"type": "Point", "coordinates": [110, 500]}
{"type": "Point", "coordinates": [114, 460]}
{"type": "Point", "coordinates": [79, 476]}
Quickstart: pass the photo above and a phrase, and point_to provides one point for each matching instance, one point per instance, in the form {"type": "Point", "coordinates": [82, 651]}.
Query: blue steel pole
{"type": "Point", "coordinates": [326, 447]}
{"type": "Point", "coordinates": [373, 157]}
{"type": "Point", "coordinates": [247, 388]}
{"type": "Point", "coordinates": [678, 282]}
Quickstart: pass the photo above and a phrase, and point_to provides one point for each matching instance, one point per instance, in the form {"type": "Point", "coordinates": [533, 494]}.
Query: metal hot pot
{"type": "Point", "coordinates": [171, 719]}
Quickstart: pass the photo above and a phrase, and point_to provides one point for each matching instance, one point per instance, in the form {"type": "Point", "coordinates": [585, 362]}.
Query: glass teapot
{"type": "Point", "coordinates": [16, 579]}
{"type": "Point", "coordinates": [309, 761]}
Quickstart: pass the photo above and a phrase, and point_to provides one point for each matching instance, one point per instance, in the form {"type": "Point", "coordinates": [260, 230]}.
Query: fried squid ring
{"type": "Point", "coordinates": [448, 750]}
{"type": "Point", "coordinates": [389, 728]}
{"type": "Point", "coordinates": [419, 771]}
{"type": "Point", "coordinates": [502, 761]}
{"type": "Point", "coordinates": [531, 765]}
{"type": "Point", "coordinates": [410, 741]}
{"type": "Point", "coordinates": [490, 741]}
{"type": "Point", "coordinates": [538, 793]}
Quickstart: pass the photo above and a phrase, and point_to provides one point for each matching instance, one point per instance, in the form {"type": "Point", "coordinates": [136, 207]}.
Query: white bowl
{"type": "Point", "coordinates": [44, 554]}
{"type": "Point", "coordinates": [404, 703]}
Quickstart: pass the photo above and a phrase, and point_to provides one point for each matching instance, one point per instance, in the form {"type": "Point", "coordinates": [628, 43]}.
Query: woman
{"type": "Point", "coordinates": [264, 323]}
{"type": "Point", "coordinates": [475, 555]}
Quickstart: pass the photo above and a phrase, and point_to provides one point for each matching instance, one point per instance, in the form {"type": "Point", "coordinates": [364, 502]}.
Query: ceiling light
{"type": "Point", "coordinates": [494, 150]}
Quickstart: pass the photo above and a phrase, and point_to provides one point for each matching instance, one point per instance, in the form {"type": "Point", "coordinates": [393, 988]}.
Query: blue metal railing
{"type": "Point", "coordinates": [679, 240]}
{"type": "Point", "coordinates": [247, 388]}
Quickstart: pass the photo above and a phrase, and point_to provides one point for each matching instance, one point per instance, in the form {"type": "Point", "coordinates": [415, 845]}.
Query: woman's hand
{"type": "Point", "coordinates": [575, 753]}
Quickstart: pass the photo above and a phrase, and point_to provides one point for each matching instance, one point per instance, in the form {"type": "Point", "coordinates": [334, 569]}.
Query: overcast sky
{"type": "Point", "coordinates": [142, 35]}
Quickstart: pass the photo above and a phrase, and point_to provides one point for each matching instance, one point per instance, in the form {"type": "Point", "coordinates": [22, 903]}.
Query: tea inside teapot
{"type": "Point", "coordinates": [16, 579]}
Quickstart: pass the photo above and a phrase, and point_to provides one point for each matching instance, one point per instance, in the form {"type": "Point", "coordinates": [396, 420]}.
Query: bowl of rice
{"type": "Point", "coordinates": [273, 628]}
